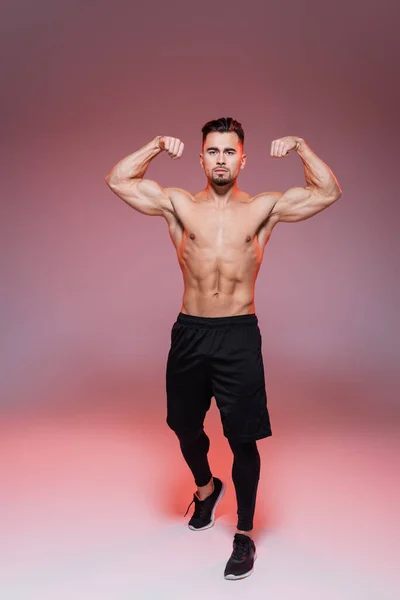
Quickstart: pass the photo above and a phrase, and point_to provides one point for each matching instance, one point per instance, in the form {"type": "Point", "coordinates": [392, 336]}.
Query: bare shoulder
{"type": "Point", "coordinates": [173, 209]}
{"type": "Point", "coordinates": [263, 205]}
{"type": "Point", "coordinates": [177, 194]}
{"type": "Point", "coordinates": [266, 198]}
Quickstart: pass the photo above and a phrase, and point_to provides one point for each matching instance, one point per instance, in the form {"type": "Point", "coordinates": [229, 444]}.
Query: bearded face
{"type": "Point", "coordinates": [222, 157]}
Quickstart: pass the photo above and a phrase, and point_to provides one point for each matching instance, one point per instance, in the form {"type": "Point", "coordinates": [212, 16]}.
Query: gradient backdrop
{"type": "Point", "coordinates": [94, 486]}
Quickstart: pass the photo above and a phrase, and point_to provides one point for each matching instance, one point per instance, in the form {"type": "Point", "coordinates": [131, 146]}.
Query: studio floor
{"type": "Point", "coordinates": [92, 508]}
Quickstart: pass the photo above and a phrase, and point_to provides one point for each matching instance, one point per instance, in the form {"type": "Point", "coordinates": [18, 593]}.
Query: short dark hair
{"type": "Point", "coordinates": [223, 125]}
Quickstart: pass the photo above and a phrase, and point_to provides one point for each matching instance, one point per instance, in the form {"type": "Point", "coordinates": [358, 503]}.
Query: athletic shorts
{"type": "Point", "coordinates": [217, 357]}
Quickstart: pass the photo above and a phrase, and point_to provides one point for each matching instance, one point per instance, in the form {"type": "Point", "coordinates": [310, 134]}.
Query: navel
{"type": "Point", "coordinates": [192, 236]}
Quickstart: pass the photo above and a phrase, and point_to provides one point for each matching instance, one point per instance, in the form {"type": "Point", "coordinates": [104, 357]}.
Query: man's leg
{"type": "Point", "coordinates": [238, 385]}
{"type": "Point", "coordinates": [245, 475]}
{"type": "Point", "coordinates": [189, 397]}
{"type": "Point", "coordinates": [195, 447]}
{"type": "Point", "coordinates": [210, 489]}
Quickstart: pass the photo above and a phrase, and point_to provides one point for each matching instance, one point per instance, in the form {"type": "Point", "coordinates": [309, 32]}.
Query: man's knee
{"type": "Point", "coordinates": [243, 448]}
{"type": "Point", "coordinates": [187, 438]}
{"type": "Point", "coordinates": [246, 457]}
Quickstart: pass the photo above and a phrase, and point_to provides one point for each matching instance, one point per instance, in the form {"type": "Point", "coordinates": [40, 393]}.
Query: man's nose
{"type": "Point", "coordinates": [221, 160]}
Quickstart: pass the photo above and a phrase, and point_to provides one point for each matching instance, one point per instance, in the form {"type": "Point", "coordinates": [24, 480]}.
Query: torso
{"type": "Point", "coordinates": [219, 250]}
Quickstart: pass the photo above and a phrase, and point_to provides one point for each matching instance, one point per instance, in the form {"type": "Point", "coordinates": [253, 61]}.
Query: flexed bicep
{"type": "Point", "coordinates": [144, 195]}
{"type": "Point", "coordinates": [299, 203]}
{"type": "Point", "coordinates": [127, 182]}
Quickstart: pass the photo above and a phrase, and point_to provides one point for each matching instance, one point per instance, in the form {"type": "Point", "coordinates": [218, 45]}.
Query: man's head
{"type": "Point", "coordinates": [222, 154]}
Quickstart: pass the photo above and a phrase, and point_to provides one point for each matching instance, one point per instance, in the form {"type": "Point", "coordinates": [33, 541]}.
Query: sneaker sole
{"type": "Point", "coordinates": [234, 577]}
{"type": "Point", "coordinates": [211, 523]}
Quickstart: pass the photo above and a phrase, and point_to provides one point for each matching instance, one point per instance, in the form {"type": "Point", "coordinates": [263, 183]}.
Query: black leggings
{"type": "Point", "coordinates": [245, 471]}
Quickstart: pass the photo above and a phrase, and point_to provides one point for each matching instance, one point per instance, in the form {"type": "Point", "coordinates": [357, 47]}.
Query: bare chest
{"type": "Point", "coordinates": [230, 227]}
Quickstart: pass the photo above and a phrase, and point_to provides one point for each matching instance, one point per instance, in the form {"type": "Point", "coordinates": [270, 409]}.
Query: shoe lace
{"type": "Point", "coordinates": [240, 548]}
{"type": "Point", "coordinates": [198, 507]}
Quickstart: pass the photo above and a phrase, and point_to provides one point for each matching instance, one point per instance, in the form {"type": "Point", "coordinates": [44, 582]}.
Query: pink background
{"type": "Point", "coordinates": [90, 288]}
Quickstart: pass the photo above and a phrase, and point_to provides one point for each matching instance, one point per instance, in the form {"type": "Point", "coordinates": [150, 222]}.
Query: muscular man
{"type": "Point", "coordinates": [220, 234]}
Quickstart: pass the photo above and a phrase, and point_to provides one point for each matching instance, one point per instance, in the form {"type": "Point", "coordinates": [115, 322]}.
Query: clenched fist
{"type": "Point", "coordinates": [280, 148]}
{"type": "Point", "coordinates": [173, 146]}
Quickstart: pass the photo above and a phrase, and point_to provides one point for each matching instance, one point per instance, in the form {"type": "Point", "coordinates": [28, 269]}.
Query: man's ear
{"type": "Point", "coordinates": [243, 161]}
{"type": "Point", "coordinates": [201, 159]}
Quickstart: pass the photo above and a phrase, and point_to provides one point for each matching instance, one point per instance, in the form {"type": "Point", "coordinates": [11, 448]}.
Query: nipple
{"type": "Point", "coordinates": [248, 239]}
{"type": "Point", "coordinates": [192, 236]}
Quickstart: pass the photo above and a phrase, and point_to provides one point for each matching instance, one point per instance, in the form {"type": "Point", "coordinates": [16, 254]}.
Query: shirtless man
{"type": "Point", "coordinates": [220, 234]}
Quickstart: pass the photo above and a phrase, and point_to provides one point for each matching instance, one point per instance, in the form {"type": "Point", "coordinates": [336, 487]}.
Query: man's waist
{"type": "Point", "coordinates": [217, 322]}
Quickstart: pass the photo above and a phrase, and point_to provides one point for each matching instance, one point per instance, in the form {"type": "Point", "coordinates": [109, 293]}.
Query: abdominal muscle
{"type": "Point", "coordinates": [217, 304]}
{"type": "Point", "coordinates": [219, 288]}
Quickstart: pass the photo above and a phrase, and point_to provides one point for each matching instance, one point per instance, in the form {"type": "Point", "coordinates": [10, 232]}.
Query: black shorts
{"type": "Point", "coordinates": [220, 357]}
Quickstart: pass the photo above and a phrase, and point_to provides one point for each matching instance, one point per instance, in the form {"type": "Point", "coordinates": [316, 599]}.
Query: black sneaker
{"type": "Point", "coordinates": [241, 562]}
{"type": "Point", "coordinates": [204, 510]}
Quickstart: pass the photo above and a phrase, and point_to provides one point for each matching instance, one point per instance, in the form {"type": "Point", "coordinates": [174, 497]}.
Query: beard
{"type": "Point", "coordinates": [221, 179]}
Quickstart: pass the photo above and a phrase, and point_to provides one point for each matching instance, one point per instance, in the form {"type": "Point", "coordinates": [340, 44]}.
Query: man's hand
{"type": "Point", "coordinates": [280, 148]}
{"type": "Point", "coordinates": [173, 146]}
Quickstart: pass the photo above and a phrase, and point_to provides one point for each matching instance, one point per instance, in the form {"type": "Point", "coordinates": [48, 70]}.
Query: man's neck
{"type": "Point", "coordinates": [222, 194]}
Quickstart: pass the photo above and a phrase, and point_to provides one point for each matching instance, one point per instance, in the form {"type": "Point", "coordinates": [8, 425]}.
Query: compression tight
{"type": "Point", "coordinates": [245, 471]}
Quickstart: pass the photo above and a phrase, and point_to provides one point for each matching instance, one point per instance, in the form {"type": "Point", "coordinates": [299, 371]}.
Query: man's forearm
{"type": "Point", "coordinates": [318, 175]}
{"type": "Point", "coordinates": [135, 165]}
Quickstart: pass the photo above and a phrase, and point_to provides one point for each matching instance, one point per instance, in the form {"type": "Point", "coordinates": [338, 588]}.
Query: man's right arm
{"type": "Point", "coordinates": [126, 178]}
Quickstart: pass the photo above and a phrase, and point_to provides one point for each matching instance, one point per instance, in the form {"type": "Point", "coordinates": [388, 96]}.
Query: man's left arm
{"type": "Point", "coordinates": [321, 189]}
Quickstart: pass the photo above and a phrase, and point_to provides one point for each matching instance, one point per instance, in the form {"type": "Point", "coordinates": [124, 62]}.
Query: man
{"type": "Point", "coordinates": [219, 234]}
